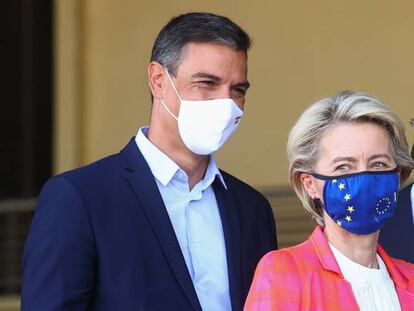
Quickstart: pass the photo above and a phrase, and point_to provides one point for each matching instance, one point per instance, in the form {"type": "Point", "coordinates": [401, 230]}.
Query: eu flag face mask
{"type": "Point", "coordinates": [205, 125]}
{"type": "Point", "coordinates": [362, 202]}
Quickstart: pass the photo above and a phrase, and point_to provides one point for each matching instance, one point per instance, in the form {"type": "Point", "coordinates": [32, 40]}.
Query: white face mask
{"type": "Point", "coordinates": [205, 125]}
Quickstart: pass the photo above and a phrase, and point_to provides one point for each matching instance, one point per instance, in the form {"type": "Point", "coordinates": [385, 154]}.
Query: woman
{"type": "Point", "coordinates": [347, 158]}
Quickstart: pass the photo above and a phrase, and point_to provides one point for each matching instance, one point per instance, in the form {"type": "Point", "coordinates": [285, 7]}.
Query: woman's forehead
{"type": "Point", "coordinates": [354, 140]}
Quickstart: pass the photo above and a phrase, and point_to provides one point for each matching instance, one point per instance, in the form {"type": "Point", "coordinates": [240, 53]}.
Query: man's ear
{"type": "Point", "coordinates": [156, 76]}
{"type": "Point", "coordinates": [309, 183]}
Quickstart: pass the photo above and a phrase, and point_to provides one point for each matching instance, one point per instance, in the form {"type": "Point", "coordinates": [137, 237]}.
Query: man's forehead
{"type": "Point", "coordinates": [216, 60]}
{"type": "Point", "coordinates": [204, 52]}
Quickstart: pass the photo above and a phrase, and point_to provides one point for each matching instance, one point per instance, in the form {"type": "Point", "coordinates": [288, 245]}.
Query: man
{"type": "Point", "coordinates": [158, 226]}
{"type": "Point", "coordinates": [397, 235]}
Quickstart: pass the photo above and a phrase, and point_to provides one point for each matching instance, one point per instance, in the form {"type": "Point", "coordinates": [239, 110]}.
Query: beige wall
{"type": "Point", "coordinates": [302, 50]}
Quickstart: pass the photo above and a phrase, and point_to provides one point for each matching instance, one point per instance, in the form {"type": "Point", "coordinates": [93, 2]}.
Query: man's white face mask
{"type": "Point", "coordinates": [205, 125]}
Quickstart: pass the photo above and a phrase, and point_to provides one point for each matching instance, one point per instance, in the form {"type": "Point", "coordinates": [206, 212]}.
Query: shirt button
{"type": "Point", "coordinates": [180, 176]}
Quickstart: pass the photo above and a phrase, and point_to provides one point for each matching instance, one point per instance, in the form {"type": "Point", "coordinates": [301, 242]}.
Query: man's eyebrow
{"type": "Point", "coordinates": [244, 85]}
{"type": "Point", "coordinates": [205, 75]}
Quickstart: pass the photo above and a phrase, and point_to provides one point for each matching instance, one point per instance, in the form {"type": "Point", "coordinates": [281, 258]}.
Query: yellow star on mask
{"type": "Point", "coordinates": [347, 197]}
{"type": "Point", "coordinates": [348, 218]}
{"type": "Point", "coordinates": [350, 209]}
{"type": "Point", "coordinates": [339, 223]}
{"type": "Point", "coordinates": [341, 186]}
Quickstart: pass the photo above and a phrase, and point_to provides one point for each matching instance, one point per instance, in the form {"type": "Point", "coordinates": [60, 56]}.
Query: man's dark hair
{"type": "Point", "coordinates": [196, 27]}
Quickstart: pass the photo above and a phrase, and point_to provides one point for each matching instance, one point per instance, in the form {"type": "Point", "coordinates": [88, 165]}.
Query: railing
{"type": "Point", "coordinates": [15, 218]}
{"type": "Point", "coordinates": [293, 223]}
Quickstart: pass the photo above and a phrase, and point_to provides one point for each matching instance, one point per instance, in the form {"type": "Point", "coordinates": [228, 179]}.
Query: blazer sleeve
{"type": "Point", "coordinates": [59, 256]}
{"type": "Point", "coordinates": [276, 284]}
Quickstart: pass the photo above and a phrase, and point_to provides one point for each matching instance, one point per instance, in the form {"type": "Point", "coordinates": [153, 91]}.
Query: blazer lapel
{"type": "Point", "coordinates": [142, 181]}
{"type": "Point", "coordinates": [230, 222]}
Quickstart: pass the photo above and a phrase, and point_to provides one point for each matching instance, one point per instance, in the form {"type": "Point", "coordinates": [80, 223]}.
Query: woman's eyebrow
{"type": "Point", "coordinates": [380, 155]}
{"type": "Point", "coordinates": [341, 159]}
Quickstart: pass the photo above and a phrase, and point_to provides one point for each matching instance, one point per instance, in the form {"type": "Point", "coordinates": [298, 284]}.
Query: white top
{"type": "Point", "coordinates": [373, 288]}
{"type": "Point", "coordinates": [195, 218]}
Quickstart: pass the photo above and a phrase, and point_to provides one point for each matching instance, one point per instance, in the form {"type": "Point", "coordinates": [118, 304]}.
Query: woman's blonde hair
{"type": "Point", "coordinates": [322, 116]}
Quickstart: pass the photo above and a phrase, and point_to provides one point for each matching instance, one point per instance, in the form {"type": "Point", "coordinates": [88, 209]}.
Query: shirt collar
{"type": "Point", "coordinates": [164, 168]}
{"type": "Point", "coordinates": [212, 172]}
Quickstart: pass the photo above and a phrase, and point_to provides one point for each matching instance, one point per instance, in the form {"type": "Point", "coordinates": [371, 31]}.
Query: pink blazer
{"type": "Point", "coordinates": [307, 277]}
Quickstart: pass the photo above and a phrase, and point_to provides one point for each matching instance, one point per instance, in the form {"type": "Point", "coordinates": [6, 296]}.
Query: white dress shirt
{"type": "Point", "coordinates": [196, 220]}
{"type": "Point", "coordinates": [373, 289]}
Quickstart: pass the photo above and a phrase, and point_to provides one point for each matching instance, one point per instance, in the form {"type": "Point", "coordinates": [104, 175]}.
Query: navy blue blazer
{"type": "Point", "coordinates": [101, 239]}
{"type": "Point", "coordinates": [397, 235]}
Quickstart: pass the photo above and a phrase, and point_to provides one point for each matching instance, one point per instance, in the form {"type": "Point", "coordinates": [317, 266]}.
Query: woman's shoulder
{"type": "Point", "coordinates": [294, 257]}
{"type": "Point", "coordinates": [405, 267]}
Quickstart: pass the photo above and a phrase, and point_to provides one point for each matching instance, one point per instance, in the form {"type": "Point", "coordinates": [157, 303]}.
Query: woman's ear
{"type": "Point", "coordinates": [309, 183]}
{"type": "Point", "coordinates": [156, 73]}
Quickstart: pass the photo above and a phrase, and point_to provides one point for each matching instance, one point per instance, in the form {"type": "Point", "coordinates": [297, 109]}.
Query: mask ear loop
{"type": "Point", "coordinates": [175, 90]}
{"type": "Point", "coordinates": [172, 83]}
{"type": "Point", "coordinates": [168, 110]}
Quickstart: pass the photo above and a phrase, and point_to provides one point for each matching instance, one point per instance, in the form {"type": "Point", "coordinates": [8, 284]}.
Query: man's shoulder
{"type": "Point", "coordinates": [101, 169]}
{"type": "Point", "coordinates": [99, 176]}
{"type": "Point", "coordinates": [406, 191]}
{"type": "Point", "coordinates": [90, 182]}
{"type": "Point", "coordinates": [404, 199]}
{"type": "Point", "coordinates": [240, 187]}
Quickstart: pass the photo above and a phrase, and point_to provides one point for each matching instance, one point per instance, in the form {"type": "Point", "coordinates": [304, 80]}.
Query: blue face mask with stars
{"type": "Point", "coordinates": [362, 202]}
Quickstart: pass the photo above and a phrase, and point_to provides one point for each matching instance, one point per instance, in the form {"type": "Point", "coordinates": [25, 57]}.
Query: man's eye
{"type": "Point", "coordinates": [207, 83]}
{"type": "Point", "coordinates": [240, 91]}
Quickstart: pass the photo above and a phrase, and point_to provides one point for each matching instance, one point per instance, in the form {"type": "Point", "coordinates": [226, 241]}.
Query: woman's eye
{"type": "Point", "coordinates": [379, 165]}
{"type": "Point", "coordinates": [342, 167]}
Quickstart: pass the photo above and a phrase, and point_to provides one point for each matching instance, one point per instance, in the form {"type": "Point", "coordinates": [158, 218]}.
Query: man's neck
{"type": "Point", "coordinates": [192, 164]}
